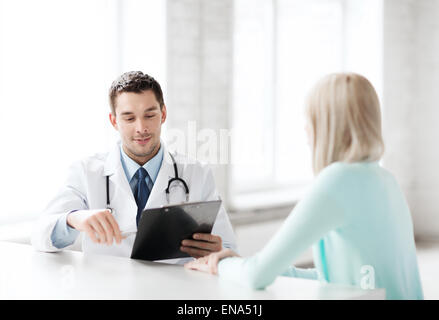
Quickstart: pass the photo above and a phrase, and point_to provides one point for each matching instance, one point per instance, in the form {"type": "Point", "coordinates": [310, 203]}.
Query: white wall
{"type": "Point", "coordinates": [411, 105]}
{"type": "Point", "coordinates": [199, 71]}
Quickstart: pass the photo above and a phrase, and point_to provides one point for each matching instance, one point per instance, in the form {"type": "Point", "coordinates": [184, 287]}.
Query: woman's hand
{"type": "Point", "coordinates": [209, 263]}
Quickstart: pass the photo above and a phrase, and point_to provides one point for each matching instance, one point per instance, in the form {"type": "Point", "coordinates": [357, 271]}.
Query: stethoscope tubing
{"type": "Point", "coordinates": [167, 190]}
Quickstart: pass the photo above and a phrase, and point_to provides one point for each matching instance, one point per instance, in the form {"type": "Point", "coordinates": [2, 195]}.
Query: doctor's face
{"type": "Point", "coordinates": [139, 119]}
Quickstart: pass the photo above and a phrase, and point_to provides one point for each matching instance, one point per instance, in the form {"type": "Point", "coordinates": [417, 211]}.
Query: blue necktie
{"type": "Point", "coordinates": [142, 193]}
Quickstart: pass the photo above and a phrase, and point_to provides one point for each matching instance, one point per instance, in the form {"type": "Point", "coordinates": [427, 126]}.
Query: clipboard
{"type": "Point", "coordinates": [161, 230]}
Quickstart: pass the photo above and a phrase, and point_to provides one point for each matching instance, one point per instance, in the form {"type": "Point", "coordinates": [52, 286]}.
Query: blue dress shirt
{"type": "Point", "coordinates": [152, 167]}
{"type": "Point", "coordinates": [63, 235]}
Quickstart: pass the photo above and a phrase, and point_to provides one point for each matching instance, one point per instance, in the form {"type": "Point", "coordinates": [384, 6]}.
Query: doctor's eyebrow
{"type": "Point", "coordinates": [126, 113]}
{"type": "Point", "coordinates": [151, 108]}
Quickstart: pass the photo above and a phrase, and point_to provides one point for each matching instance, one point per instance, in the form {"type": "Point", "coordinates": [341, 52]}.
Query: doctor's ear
{"type": "Point", "coordinates": [164, 113]}
{"type": "Point", "coordinates": [113, 120]}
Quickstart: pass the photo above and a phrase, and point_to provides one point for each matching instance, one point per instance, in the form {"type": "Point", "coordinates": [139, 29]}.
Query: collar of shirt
{"type": "Point", "coordinates": [152, 166]}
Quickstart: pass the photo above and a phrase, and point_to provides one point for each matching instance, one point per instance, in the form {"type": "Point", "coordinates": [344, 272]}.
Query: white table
{"type": "Point", "coordinates": [28, 274]}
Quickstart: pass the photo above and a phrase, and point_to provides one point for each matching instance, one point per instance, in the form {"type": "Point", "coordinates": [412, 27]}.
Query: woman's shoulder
{"type": "Point", "coordinates": [346, 169]}
{"type": "Point", "coordinates": [337, 171]}
{"type": "Point", "coordinates": [344, 174]}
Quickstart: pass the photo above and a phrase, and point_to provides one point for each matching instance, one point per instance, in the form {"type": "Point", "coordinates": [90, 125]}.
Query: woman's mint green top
{"type": "Point", "coordinates": [358, 223]}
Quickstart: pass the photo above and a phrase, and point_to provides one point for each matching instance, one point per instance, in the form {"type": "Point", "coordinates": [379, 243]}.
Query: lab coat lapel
{"type": "Point", "coordinates": [121, 195]}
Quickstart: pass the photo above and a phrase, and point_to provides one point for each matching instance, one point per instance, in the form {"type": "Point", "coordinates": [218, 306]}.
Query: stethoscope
{"type": "Point", "coordinates": [167, 191]}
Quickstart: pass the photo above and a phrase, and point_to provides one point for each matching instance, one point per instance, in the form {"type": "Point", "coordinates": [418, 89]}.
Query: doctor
{"type": "Point", "coordinates": [101, 201]}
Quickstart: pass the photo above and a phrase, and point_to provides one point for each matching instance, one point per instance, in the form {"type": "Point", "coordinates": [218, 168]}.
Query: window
{"type": "Point", "coordinates": [281, 48]}
{"type": "Point", "coordinates": [57, 61]}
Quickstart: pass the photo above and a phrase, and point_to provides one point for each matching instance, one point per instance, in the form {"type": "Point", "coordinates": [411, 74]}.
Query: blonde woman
{"type": "Point", "coordinates": [355, 216]}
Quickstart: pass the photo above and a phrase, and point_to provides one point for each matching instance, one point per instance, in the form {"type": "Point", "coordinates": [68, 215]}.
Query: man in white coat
{"type": "Point", "coordinates": [138, 170]}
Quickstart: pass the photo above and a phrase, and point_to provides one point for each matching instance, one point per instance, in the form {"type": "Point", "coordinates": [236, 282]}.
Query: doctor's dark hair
{"type": "Point", "coordinates": [137, 82]}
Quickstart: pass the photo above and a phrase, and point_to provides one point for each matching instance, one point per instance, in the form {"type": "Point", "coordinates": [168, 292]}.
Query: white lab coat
{"type": "Point", "coordinates": [85, 188]}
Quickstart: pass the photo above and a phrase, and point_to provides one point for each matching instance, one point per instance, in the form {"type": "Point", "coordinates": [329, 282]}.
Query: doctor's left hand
{"type": "Point", "coordinates": [201, 245]}
{"type": "Point", "coordinates": [209, 263]}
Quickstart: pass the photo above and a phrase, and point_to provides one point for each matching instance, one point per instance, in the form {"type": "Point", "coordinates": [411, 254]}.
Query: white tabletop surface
{"type": "Point", "coordinates": [28, 274]}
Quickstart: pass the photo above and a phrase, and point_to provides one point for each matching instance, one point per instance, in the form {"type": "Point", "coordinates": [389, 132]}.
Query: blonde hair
{"type": "Point", "coordinates": [344, 113]}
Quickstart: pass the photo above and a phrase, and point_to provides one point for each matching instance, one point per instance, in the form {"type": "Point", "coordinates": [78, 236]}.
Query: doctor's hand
{"type": "Point", "coordinates": [209, 263]}
{"type": "Point", "coordinates": [99, 225]}
{"type": "Point", "coordinates": [202, 245]}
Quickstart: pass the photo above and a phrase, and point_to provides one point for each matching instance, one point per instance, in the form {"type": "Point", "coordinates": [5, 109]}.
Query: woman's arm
{"type": "Point", "coordinates": [310, 273]}
{"type": "Point", "coordinates": [313, 217]}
